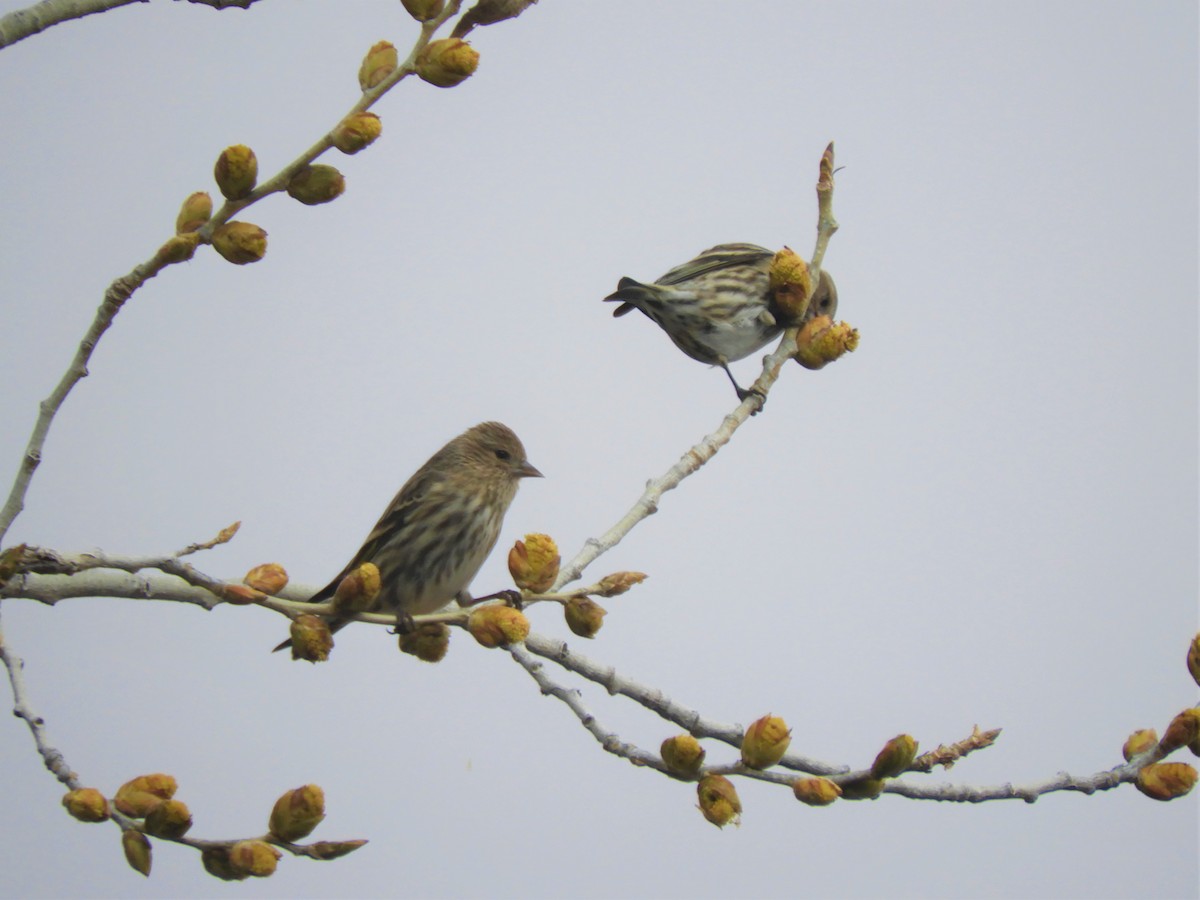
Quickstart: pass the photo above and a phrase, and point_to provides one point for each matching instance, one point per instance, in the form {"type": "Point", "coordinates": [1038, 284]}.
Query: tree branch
{"type": "Point", "coordinates": [22, 23]}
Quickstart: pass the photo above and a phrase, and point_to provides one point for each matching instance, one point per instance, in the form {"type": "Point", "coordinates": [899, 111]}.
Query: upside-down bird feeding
{"type": "Point", "coordinates": [719, 307]}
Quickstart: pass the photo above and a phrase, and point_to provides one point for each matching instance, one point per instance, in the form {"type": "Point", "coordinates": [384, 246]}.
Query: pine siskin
{"type": "Point", "coordinates": [717, 308]}
{"type": "Point", "coordinates": [436, 533]}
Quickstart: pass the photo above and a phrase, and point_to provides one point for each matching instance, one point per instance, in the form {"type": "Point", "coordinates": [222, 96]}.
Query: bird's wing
{"type": "Point", "coordinates": [721, 256]}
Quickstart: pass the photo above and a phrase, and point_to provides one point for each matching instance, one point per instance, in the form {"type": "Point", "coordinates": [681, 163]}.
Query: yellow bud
{"type": "Point", "coordinates": [1139, 742]}
{"type": "Point", "coordinates": [1166, 781]}
{"type": "Point", "coordinates": [498, 626]}
{"type": "Point", "coordinates": [356, 131]}
{"type": "Point", "coordinates": [138, 796]}
{"type": "Point", "coordinates": [447, 62]}
{"type": "Point", "coordinates": [428, 642]}
{"type": "Point", "coordinates": [11, 561]}
{"type": "Point", "coordinates": [86, 805]}
{"type": "Point", "coordinates": [1193, 658]}
{"type": "Point", "coordinates": [169, 819]}
{"type": "Point", "coordinates": [255, 858]}
{"type": "Point", "coordinates": [333, 849]}
{"type": "Point", "coordinates": [196, 210]}
{"type": "Point", "coordinates": [791, 287]}
{"type": "Point", "coordinates": [137, 851]}
{"type": "Point", "coordinates": [236, 171]}
{"type": "Point", "coordinates": [177, 249]}
{"type": "Point", "coordinates": [270, 578]}
{"type": "Point", "coordinates": [241, 594]}
{"type": "Point", "coordinates": [584, 616]}
{"type": "Point", "coordinates": [240, 242]}
{"type": "Point", "coordinates": [533, 563]}
{"type": "Point", "coordinates": [895, 757]}
{"type": "Point", "coordinates": [297, 813]}
{"type": "Point", "coordinates": [816, 791]}
{"type": "Point", "coordinates": [1184, 729]}
{"type": "Point", "coordinates": [619, 583]}
{"type": "Point", "coordinates": [765, 742]}
{"type": "Point", "coordinates": [862, 789]}
{"type": "Point", "coordinates": [821, 341]}
{"type": "Point", "coordinates": [316, 184]}
{"type": "Point", "coordinates": [719, 801]}
{"type": "Point", "coordinates": [423, 10]}
{"type": "Point", "coordinates": [682, 755]}
{"type": "Point", "coordinates": [311, 638]}
{"type": "Point", "coordinates": [216, 863]}
{"type": "Point", "coordinates": [359, 590]}
{"type": "Point", "coordinates": [380, 62]}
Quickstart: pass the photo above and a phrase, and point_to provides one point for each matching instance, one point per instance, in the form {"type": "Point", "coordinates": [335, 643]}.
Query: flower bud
{"type": "Point", "coordinates": [196, 210]}
{"type": "Point", "coordinates": [489, 12]}
{"type": "Point", "coordinates": [240, 242]}
{"type": "Point", "coordinates": [1184, 729]}
{"type": "Point", "coordinates": [311, 638]}
{"type": "Point", "coordinates": [137, 851]}
{"type": "Point", "coordinates": [584, 616]}
{"type": "Point", "coordinates": [498, 626]}
{"type": "Point", "coordinates": [423, 10]}
{"type": "Point", "coordinates": [790, 286]}
{"type": "Point", "coordinates": [270, 578]}
{"type": "Point", "coordinates": [895, 757]}
{"type": "Point", "coordinates": [357, 131]}
{"type": "Point", "coordinates": [428, 642]}
{"type": "Point", "coordinates": [1166, 781]}
{"type": "Point", "coordinates": [169, 819]}
{"type": "Point", "coordinates": [862, 789]}
{"type": "Point", "coordinates": [1193, 658]}
{"type": "Point", "coordinates": [765, 742]}
{"type": "Point", "coordinates": [359, 590]}
{"type": "Point", "coordinates": [297, 813]}
{"type": "Point", "coordinates": [619, 583]}
{"type": "Point", "coordinates": [1139, 742]}
{"type": "Point", "coordinates": [236, 171]}
{"type": "Point", "coordinates": [380, 62]}
{"type": "Point", "coordinates": [316, 184]}
{"type": "Point", "coordinates": [216, 863]}
{"type": "Point", "coordinates": [333, 849]}
{"type": "Point", "coordinates": [138, 796]}
{"type": "Point", "coordinates": [533, 563]}
{"type": "Point", "coordinates": [177, 249]}
{"type": "Point", "coordinates": [682, 755]}
{"type": "Point", "coordinates": [821, 341]}
{"type": "Point", "coordinates": [719, 801]}
{"type": "Point", "coordinates": [816, 791]}
{"type": "Point", "coordinates": [255, 858]}
{"type": "Point", "coordinates": [86, 805]}
{"type": "Point", "coordinates": [11, 561]}
{"type": "Point", "coordinates": [241, 594]}
{"type": "Point", "coordinates": [447, 62]}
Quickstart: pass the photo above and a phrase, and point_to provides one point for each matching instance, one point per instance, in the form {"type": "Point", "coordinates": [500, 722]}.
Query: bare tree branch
{"type": "Point", "coordinates": [23, 23]}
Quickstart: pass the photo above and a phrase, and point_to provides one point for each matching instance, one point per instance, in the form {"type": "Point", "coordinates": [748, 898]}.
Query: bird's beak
{"type": "Point", "coordinates": [528, 471]}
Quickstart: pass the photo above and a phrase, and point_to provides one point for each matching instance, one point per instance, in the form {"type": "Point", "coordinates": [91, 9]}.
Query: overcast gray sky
{"type": "Point", "coordinates": [988, 514]}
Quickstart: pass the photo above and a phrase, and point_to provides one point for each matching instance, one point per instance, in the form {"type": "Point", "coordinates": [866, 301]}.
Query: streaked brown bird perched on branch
{"type": "Point", "coordinates": [436, 533]}
{"type": "Point", "coordinates": [718, 307]}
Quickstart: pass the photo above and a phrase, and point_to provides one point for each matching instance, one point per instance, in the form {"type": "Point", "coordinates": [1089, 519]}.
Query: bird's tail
{"type": "Point", "coordinates": [631, 293]}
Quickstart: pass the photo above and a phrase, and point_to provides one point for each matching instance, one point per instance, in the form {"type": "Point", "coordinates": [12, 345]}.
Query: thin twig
{"type": "Point", "coordinates": [22, 23]}
{"type": "Point", "coordinates": [51, 757]}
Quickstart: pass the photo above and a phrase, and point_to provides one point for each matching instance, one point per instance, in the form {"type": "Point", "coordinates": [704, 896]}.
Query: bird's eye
{"type": "Point", "coordinates": [503, 454]}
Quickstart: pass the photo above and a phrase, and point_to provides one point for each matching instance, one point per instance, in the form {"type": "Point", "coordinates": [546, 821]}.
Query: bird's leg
{"type": "Point", "coordinates": [404, 624]}
{"type": "Point", "coordinates": [743, 393]}
{"type": "Point", "coordinates": [510, 597]}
